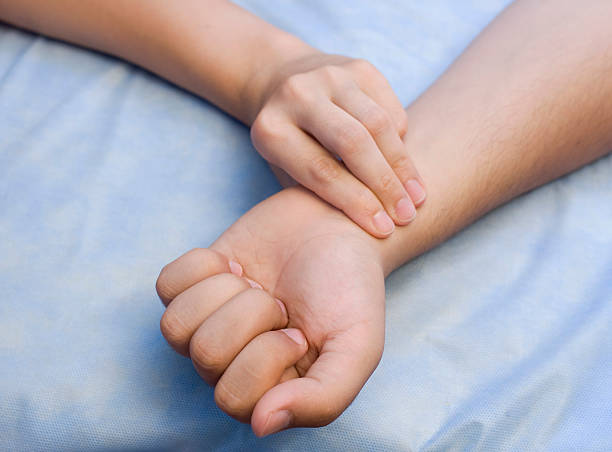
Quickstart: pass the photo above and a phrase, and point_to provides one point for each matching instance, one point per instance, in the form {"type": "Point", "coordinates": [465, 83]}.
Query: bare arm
{"type": "Point", "coordinates": [302, 103]}
{"type": "Point", "coordinates": [211, 47]}
{"type": "Point", "coordinates": [528, 101]}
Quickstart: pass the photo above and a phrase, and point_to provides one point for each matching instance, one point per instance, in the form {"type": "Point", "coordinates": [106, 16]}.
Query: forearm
{"type": "Point", "coordinates": [211, 47]}
{"type": "Point", "coordinates": [527, 102]}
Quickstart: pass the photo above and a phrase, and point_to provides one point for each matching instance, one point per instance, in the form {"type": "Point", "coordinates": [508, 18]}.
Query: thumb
{"type": "Point", "coordinates": [345, 363]}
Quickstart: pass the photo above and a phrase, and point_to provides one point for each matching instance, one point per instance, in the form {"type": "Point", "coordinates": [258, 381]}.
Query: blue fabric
{"type": "Point", "coordinates": [497, 340]}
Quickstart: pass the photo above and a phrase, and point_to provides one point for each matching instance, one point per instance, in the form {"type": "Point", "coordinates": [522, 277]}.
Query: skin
{"type": "Point", "coordinates": [518, 109]}
{"type": "Point", "coordinates": [328, 273]}
{"type": "Point", "coordinates": [306, 107]}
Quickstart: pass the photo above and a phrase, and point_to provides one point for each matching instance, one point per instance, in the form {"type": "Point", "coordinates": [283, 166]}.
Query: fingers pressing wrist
{"type": "Point", "coordinates": [335, 126]}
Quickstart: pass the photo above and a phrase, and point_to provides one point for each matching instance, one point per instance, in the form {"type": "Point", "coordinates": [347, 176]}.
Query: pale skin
{"type": "Point", "coordinates": [527, 102]}
{"type": "Point", "coordinates": [515, 111]}
{"type": "Point", "coordinates": [305, 107]}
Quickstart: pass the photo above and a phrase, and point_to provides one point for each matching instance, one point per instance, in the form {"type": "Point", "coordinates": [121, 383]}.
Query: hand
{"type": "Point", "coordinates": [320, 107]}
{"type": "Point", "coordinates": [328, 274]}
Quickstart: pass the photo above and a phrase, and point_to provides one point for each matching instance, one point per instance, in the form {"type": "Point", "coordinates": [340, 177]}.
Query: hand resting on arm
{"type": "Point", "coordinates": [527, 102]}
{"type": "Point", "coordinates": [306, 107]}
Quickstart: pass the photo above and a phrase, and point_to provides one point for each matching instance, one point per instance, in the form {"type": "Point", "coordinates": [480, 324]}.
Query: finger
{"type": "Point", "coordinates": [233, 325]}
{"type": "Point", "coordinates": [315, 168]}
{"type": "Point", "coordinates": [341, 133]}
{"type": "Point", "coordinates": [257, 368]}
{"type": "Point", "coordinates": [377, 87]}
{"type": "Point", "coordinates": [289, 374]}
{"type": "Point", "coordinates": [282, 177]}
{"type": "Point", "coordinates": [327, 389]}
{"type": "Point", "coordinates": [190, 308]}
{"type": "Point", "coordinates": [190, 268]}
{"type": "Point", "coordinates": [380, 125]}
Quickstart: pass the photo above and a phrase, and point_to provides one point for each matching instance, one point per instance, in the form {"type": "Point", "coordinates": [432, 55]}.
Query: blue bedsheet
{"type": "Point", "coordinates": [497, 340]}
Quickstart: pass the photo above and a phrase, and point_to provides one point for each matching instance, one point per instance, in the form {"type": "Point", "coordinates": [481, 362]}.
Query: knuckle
{"type": "Point", "coordinates": [334, 75]}
{"type": "Point", "coordinates": [172, 328]}
{"type": "Point", "coordinates": [200, 253]}
{"type": "Point", "coordinates": [369, 74]}
{"type": "Point", "coordinates": [366, 202]}
{"type": "Point", "coordinates": [207, 354]}
{"type": "Point", "coordinates": [402, 165]}
{"type": "Point", "coordinates": [230, 400]}
{"type": "Point", "coordinates": [266, 129]}
{"type": "Point", "coordinates": [387, 183]}
{"type": "Point", "coordinates": [349, 140]}
{"type": "Point", "coordinates": [402, 124]}
{"type": "Point", "coordinates": [253, 372]}
{"type": "Point", "coordinates": [231, 282]}
{"type": "Point", "coordinates": [264, 124]}
{"type": "Point", "coordinates": [294, 87]}
{"type": "Point", "coordinates": [378, 121]}
{"type": "Point", "coordinates": [206, 258]}
{"type": "Point", "coordinates": [163, 287]}
{"type": "Point", "coordinates": [324, 170]}
{"type": "Point", "coordinates": [364, 66]}
{"type": "Point", "coordinates": [401, 162]}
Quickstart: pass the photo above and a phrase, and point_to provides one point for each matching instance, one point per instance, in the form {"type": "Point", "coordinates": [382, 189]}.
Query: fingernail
{"type": "Point", "coordinates": [383, 223]}
{"type": "Point", "coordinates": [405, 210]}
{"type": "Point", "coordinates": [295, 335]}
{"type": "Point", "coordinates": [277, 421]}
{"type": "Point", "coordinates": [416, 191]}
{"type": "Point", "coordinates": [254, 285]}
{"type": "Point", "coordinates": [282, 306]}
{"type": "Point", "coordinates": [235, 268]}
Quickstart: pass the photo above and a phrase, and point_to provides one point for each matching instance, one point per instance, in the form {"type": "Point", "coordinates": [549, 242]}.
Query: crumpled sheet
{"type": "Point", "coordinates": [497, 340]}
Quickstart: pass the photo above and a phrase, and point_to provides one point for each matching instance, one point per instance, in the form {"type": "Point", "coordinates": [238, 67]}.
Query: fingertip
{"type": "Point", "coordinates": [282, 308]}
{"type": "Point", "coordinates": [295, 335]}
{"type": "Point", "coordinates": [405, 211]}
{"type": "Point", "coordinates": [274, 423]}
{"type": "Point", "coordinates": [253, 284]}
{"type": "Point", "coordinates": [369, 214]}
{"type": "Point", "coordinates": [304, 398]}
{"type": "Point", "coordinates": [416, 191]}
{"type": "Point", "coordinates": [257, 426]}
{"type": "Point", "coordinates": [235, 268]}
{"type": "Point", "coordinates": [278, 399]}
{"type": "Point", "coordinates": [383, 224]}
{"type": "Point", "coordinates": [368, 226]}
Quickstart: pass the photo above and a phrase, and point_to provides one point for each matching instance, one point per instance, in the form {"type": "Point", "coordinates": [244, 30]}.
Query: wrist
{"type": "Point", "coordinates": [270, 69]}
{"type": "Point", "coordinates": [461, 186]}
{"type": "Point", "coordinates": [451, 202]}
